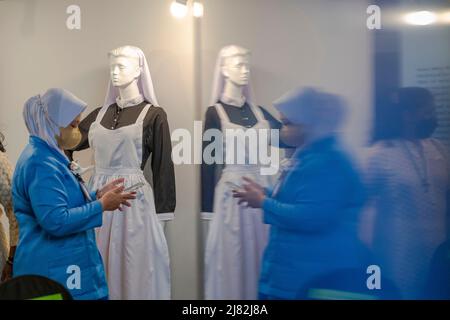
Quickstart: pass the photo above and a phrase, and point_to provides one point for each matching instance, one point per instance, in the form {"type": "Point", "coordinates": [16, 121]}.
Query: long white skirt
{"type": "Point", "coordinates": [133, 245]}
{"type": "Point", "coordinates": [236, 240]}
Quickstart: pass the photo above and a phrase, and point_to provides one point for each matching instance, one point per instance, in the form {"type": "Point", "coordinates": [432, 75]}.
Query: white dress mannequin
{"type": "Point", "coordinates": [237, 236]}
{"type": "Point", "coordinates": [132, 243]}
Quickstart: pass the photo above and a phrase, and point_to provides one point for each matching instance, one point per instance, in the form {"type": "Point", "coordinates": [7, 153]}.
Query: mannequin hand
{"type": "Point", "coordinates": [109, 186]}
{"type": "Point", "coordinates": [114, 198]}
{"type": "Point", "coordinates": [253, 194]}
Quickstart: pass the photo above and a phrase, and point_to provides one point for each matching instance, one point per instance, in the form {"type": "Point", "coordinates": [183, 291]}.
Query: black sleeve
{"type": "Point", "coordinates": [209, 171]}
{"type": "Point", "coordinates": [84, 126]}
{"type": "Point", "coordinates": [275, 124]}
{"type": "Point", "coordinates": [162, 165]}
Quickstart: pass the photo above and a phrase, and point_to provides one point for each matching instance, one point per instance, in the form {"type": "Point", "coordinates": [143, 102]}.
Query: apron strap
{"type": "Point", "coordinates": [143, 113]}
{"type": "Point", "coordinates": [222, 113]}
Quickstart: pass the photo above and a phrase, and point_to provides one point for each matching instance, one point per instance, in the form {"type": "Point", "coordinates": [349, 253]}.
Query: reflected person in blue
{"type": "Point", "coordinates": [56, 213]}
{"type": "Point", "coordinates": [313, 210]}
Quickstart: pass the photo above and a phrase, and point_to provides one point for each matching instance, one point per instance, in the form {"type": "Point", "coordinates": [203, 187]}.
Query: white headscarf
{"type": "Point", "coordinates": [219, 79]}
{"type": "Point", "coordinates": [144, 82]}
{"type": "Point", "coordinates": [321, 113]}
{"type": "Point", "coordinates": [45, 114]}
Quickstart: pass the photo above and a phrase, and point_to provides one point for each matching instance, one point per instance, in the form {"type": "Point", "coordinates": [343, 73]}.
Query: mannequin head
{"type": "Point", "coordinates": [130, 76]}
{"type": "Point", "coordinates": [231, 82]}
{"type": "Point", "coordinates": [124, 66]}
{"type": "Point", "coordinates": [236, 65]}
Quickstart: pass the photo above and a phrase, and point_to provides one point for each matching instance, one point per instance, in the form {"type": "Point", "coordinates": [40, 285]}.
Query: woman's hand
{"type": "Point", "coordinates": [253, 194]}
{"type": "Point", "coordinates": [114, 198]}
{"type": "Point", "coordinates": [109, 186]}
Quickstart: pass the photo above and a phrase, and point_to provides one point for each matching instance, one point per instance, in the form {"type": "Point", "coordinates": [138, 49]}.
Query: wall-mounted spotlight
{"type": "Point", "coordinates": [420, 18]}
{"type": "Point", "coordinates": [179, 8]}
{"type": "Point", "coordinates": [197, 9]}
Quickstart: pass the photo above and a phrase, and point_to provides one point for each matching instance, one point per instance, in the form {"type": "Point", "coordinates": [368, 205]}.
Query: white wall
{"type": "Point", "coordinates": [39, 52]}
{"type": "Point", "coordinates": [322, 43]}
{"type": "Point", "coordinates": [311, 42]}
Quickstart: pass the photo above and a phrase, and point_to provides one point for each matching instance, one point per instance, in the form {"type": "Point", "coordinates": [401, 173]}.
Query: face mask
{"type": "Point", "coordinates": [69, 137]}
{"type": "Point", "coordinates": [425, 127]}
{"type": "Point", "coordinates": [292, 136]}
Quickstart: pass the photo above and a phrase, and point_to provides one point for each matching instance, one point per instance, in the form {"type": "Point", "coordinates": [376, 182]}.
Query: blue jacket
{"type": "Point", "coordinates": [313, 221]}
{"type": "Point", "coordinates": [56, 235]}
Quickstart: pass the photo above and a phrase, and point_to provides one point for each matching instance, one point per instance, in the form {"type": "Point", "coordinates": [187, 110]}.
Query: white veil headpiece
{"type": "Point", "coordinates": [144, 82]}
{"type": "Point", "coordinates": [219, 79]}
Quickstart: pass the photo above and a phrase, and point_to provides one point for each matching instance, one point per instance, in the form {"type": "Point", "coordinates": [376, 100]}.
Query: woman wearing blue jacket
{"type": "Point", "coordinates": [56, 213]}
{"type": "Point", "coordinates": [313, 210]}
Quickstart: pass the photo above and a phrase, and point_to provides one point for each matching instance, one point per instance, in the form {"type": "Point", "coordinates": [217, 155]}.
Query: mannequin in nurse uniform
{"type": "Point", "coordinates": [236, 236]}
{"type": "Point", "coordinates": [125, 73]}
{"type": "Point", "coordinates": [232, 90]}
{"type": "Point", "coordinates": [129, 91]}
{"type": "Point", "coordinates": [127, 132]}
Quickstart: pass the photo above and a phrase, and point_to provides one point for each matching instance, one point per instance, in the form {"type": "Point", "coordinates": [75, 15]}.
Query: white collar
{"type": "Point", "coordinates": [233, 101]}
{"type": "Point", "coordinates": [129, 102]}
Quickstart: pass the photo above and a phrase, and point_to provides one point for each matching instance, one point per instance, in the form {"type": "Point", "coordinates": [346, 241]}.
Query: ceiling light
{"type": "Point", "coordinates": [420, 18]}
{"type": "Point", "coordinates": [179, 8]}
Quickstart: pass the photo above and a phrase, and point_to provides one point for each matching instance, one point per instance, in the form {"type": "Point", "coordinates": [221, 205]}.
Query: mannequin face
{"type": "Point", "coordinates": [237, 70]}
{"type": "Point", "coordinates": [124, 71]}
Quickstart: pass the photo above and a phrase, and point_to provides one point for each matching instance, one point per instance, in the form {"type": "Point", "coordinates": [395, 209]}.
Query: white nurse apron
{"type": "Point", "coordinates": [237, 235]}
{"type": "Point", "coordinates": [132, 241]}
